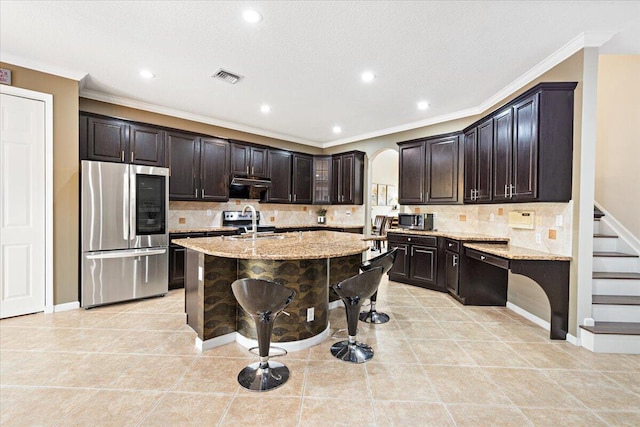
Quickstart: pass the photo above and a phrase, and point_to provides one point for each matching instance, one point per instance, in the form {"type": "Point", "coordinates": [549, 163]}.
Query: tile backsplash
{"type": "Point", "coordinates": [209, 214]}
{"type": "Point", "coordinates": [552, 230]}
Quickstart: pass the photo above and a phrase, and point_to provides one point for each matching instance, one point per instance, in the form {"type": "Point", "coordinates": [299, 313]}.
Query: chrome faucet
{"type": "Point", "coordinates": [254, 226]}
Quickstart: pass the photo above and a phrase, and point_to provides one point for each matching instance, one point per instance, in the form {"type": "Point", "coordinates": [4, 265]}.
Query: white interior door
{"type": "Point", "coordinates": [22, 205]}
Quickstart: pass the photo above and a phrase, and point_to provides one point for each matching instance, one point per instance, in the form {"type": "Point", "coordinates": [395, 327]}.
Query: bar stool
{"type": "Point", "coordinates": [385, 261]}
{"type": "Point", "coordinates": [353, 291]}
{"type": "Point", "coordinates": [263, 301]}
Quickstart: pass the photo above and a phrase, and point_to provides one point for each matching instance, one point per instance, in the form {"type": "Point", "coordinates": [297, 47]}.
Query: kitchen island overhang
{"type": "Point", "coordinates": [307, 262]}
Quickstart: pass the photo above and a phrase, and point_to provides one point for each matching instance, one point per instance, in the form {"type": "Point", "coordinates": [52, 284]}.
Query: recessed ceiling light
{"type": "Point", "coordinates": [265, 108]}
{"type": "Point", "coordinates": [251, 16]}
{"type": "Point", "coordinates": [337, 129]}
{"type": "Point", "coordinates": [146, 74]}
{"type": "Point", "coordinates": [367, 76]}
{"type": "Point", "coordinates": [423, 105]}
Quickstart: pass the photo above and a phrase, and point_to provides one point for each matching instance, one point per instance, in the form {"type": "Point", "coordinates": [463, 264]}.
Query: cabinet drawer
{"type": "Point", "coordinates": [430, 241]}
{"type": "Point", "coordinates": [489, 259]}
{"type": "Point", "coordinates": [452, 245]}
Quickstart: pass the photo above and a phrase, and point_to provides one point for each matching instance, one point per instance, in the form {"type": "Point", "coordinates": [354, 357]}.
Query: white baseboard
{"type": "Point", "coordinates": [524, 313]}
{"type": "Point", "coordinates": [541, 322]}
{"type": "Point", "coordinates": [335, 304]}
{"type": "Point", "coordinates": [66, 306]}
{"type": "Point", "coordinates": [248, 342]}
{"type": "Point", "coordinates": [215, 342]}
{"type": "Point", "coordinates": [289, 346]}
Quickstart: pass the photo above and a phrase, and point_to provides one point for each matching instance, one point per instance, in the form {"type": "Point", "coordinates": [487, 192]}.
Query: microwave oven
{"type": "Point", "coordinates": [416, 221]}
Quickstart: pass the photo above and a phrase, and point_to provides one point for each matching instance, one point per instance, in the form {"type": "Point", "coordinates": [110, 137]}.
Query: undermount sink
{"type": "Point", "coordinates": [258, 236]}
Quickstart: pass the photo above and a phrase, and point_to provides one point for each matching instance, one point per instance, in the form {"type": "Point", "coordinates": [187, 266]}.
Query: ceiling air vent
{"type": "Point", "coordinates": [227, 76]}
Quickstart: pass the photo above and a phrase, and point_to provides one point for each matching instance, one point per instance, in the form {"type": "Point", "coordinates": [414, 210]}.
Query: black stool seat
{"type": "Point", "coordinates": [353, 291]}
{"type": "Point", "coordinates": [263, 301]}
{"type": "Point", "coordinates": [385, 261]}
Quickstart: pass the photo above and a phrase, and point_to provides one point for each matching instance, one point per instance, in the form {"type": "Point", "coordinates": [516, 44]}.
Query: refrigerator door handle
{"type": "Point", "coordinates": [132, 204]}
{"type": "Point", "coordinates": [125, 206]}
{"type": "Point", "coordinates": [126, 254]}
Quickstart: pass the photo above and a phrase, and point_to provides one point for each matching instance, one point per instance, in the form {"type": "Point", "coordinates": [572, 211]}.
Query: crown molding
{"type": "Point", "coordinates": [581, 41]}
{"type": "Point", "coordinates": [159, 109]}
{"type": "Point", "coordinates": [408, 126]}
{"type": "Point", "coordinates": [43, 68]}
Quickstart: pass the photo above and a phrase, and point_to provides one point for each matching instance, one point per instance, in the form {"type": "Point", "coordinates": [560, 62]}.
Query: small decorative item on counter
{"type": "Point", "coordinates": [322, 218]}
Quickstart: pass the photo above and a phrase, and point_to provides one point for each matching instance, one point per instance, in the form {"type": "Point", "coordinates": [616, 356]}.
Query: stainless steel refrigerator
{"type": "Point", "coordinates": [125, 236]}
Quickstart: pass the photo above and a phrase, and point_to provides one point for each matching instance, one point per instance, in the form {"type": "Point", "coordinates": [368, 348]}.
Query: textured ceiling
{"type": "Point", "coordinates": [305, 58]}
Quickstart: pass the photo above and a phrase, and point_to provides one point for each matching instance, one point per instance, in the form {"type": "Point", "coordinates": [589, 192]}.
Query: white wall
{"type": "Point", "coordinates": [384, 170]}
{"type": "Point", "coordinates": [618, 144]}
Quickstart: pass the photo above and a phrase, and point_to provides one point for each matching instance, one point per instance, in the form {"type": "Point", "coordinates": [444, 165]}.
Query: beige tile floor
{"type": "Point", "coordinates": [436, 363]}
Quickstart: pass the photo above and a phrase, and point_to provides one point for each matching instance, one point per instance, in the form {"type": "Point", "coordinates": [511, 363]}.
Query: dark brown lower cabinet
{"type": "Point", "coordinates": [177, 256]}
{"type": "Point", "coordinates": [417, 260]}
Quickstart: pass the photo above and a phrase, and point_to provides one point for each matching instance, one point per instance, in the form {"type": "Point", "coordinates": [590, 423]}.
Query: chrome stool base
{"type": "Point", "coordinates": [263, 376]}
{"type": "Point", "coordinates": [373, 316]}
{"type": "Point", "coordinates": [355, 353]}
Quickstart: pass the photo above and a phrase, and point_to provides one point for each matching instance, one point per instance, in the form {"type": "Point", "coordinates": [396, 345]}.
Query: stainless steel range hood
{"type": "Point", "coordinates": [251, 181]}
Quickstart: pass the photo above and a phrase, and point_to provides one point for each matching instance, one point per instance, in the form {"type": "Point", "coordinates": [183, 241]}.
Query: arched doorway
{"type": "Point", "coordinates": [383, 184]}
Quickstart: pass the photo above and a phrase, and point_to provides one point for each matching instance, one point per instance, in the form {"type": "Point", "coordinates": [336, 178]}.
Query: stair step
{"type": "Point", "coordinates": [615, 254]}
{"type": "Point", "coordinates": [597, 213]}
{"type": "Point", "coordinates": [616, 299]}
{"type": "Point", "coordinates": [617, 328]}
{"type": "Point", "coordinates": [605, 236]}
{"type": "Point", "coordinates": [617, 275]}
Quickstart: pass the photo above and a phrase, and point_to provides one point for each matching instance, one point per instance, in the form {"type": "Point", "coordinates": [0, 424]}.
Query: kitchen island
{"type": "Point", "coordinates": [307, 262]}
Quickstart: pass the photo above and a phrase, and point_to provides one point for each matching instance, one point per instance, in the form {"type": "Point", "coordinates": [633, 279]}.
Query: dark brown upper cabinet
{"type": "Point", "coordinates": [290, 177]}
{"type": "Point", "coordinates": [412, 173]}
{"type": "Point", "coordinates": [214, 169]}
{"type": "Point", "coordinates": [429, 170]}
{"type": "Point", "coordinates": [249, 160]}
{"type": "Point", "coordinates": [478, 161]}
{"type": "Point", "coordinates": [184, 161]}
{"type": "Point", "coordinates": [442, 169]}
{"type": "Point", "coordinates": [322, 180]}
{"type": "Point", "coordinates": [531, 149]}
{"type": "Point", "coordinates": [112, 140]}
{"type": "Point", "coordinates": [279, 169]}
{"type": "Point", "coordinates": [302, 183]}
{"type": "Point", "coordinates": [347, 178]}
{"type": "Point", "coordinates": [146, 145]}
{"type": "Point", "coordinates": [199, 167]}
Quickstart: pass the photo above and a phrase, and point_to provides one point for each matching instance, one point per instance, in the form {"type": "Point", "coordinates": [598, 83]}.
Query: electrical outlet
{"type": "Point", "coordinates": [310, 314]}
{"type": "Point", "coordinates": [275, 213]}
{"type": "Point", "coordinates": [538, 238]}
{"type": "Point", "coordinates": [200, 273]}
{"type": "Point", "coordinates": [209, 212]}
{"type": "Point", "coordinates": [559, 220]}
{"type": "Point", "coordinates": [492, 217]}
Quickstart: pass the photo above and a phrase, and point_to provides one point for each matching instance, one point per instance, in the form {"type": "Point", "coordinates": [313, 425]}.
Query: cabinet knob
{"type": "Point", "coordinates": [408, 239]}
{"type": "Point", "coordinates": [482, 257]}
{"type": "Point", "coordinates": [450, 244]}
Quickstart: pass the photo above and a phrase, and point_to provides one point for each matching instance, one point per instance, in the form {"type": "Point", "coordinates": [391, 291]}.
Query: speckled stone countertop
{"type": "Point", "coordinates": [296, 245]}
{"type": "Point", "coordinates": [201, 229]}
{"type": "Point", "coordinates": [515, 252]}
{"type": "Point", "coordinates": [280, 227]}
{"type": "Point", "coordinates": [330, 225]}
{"type": "Point", "coordinates": [450, 235]}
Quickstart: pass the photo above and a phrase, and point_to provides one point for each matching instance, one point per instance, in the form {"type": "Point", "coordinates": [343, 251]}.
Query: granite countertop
{"type": "Point", "coordinates": [455, 235]}
{"type": "Point", "coordinates": [296, 245]}
{"type": "Point", "coordinates": [515, 252]}
{"type": "Point", "coordinates": [329, 225]}
{"type": "Point", "coordinates": [201, 229]}
{"type": "Point", "coordinates": [282, 227]}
